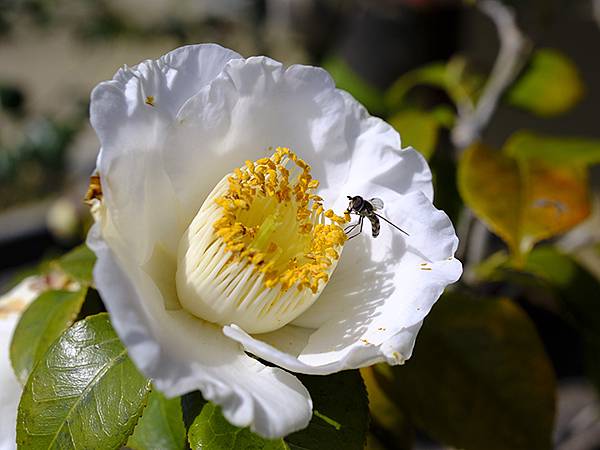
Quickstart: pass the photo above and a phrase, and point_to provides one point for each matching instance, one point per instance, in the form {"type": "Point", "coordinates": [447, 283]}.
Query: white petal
{"type": "Point", "coordinates": [134, 134]}
{"type": "Point", "coordinates": [377, 157]}
{"type": "Point", "coordinates": [181, 353]}
{"type": "Point", "coordinates": [12, 305]}
{"type": "Point", "coordinates": [373, 307]}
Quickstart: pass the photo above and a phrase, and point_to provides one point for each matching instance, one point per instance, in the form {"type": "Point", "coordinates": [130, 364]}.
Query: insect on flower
{"type": "Point", "coordinates": [366, 208]}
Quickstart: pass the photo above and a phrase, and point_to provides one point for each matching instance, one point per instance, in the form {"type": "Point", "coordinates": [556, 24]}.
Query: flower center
{"type": "Point", "coordinates": [261, 248]}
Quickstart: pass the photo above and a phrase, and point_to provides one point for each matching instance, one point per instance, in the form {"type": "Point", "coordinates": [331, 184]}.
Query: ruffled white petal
{"type": "Point", "coordinates": [12, 305]}
{"type": "Point", "coordinates": [134, 134]}
{"type": "Point", "coordinates": [181, 353]}
{"type": "Point", "coordinates": [376, 156]}
{"type": "Point", "coordinates": [256, 104]}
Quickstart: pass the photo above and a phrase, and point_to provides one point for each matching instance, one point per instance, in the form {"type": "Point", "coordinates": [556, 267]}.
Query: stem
{"type": "Point", "coordinates": [514, 49]}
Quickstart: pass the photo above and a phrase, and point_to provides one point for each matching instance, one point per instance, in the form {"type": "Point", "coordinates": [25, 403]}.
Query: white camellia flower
{"type": "Point", "coordinates": [219, 205]}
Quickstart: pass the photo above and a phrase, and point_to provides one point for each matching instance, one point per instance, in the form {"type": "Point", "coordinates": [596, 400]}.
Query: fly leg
{"type": "Point", "coordinates": [360, 222]}
{"type": "Point", "coordinates": [351, 227]}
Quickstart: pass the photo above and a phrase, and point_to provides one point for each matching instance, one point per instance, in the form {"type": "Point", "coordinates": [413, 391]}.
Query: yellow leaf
{"type": "Point", "coordinates": [523, 201]}
{"type": "Point", "coordinates": [557, 198]}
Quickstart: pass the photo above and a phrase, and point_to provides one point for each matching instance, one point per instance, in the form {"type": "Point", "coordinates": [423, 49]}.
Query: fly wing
{"type": "Point", "coordinates": [377, 203]}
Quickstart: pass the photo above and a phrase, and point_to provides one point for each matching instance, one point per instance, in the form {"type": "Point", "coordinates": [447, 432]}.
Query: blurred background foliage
{"type": "Point", "coordinates": [501, 98]}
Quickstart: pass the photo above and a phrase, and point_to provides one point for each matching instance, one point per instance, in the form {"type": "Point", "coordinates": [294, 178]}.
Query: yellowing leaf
{"type": "Point", "coordinates": [489, 183]}
{"type": "Point", "coordinates": [556, 198]}
{"type": "Point", "coordinates": [550, 86]}
{"type": "Point", "coordinates": [417, 129]}
{"type": "Point", "coordinates": [522, 201]}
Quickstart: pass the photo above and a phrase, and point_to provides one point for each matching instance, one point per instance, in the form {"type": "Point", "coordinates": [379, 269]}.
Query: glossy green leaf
{"type": "Point", "coordinates": [78, 264]}
{"type": "Point", "coordinates": [347, 79]}
{"type": "Point", "coordinates": [86, 393]}
{"type": "Point", "coordinates": [559, 150]}
{"type": "Point", "coordinates": [478, 378]}
{"type": "Point", "coordinates": [523, 201]}
{"type": "Point", "coordinates": [341, 413]}
{"type": "Point", "coordinates": [161, 425]}
{"type": "Point", "coordinates": [418, 129]}
{"type": "Point", "coordinates": [211, 431]}
{"type": "Point", "coordinates": [41, 323]}
{"type": "Point", "coordinates": [551, 85]}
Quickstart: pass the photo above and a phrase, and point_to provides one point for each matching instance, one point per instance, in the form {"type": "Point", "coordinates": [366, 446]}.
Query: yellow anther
{"type": "Point", "coordinates": [277, 225]}
{"type": "Point", "coordinates": [258, 259]}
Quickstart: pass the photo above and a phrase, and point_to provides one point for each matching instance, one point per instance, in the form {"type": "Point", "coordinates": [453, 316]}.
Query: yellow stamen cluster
{"type": "Point", "coordinates": [273, 219]}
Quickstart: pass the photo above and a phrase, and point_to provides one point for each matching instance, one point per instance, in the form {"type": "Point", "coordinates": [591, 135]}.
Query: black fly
{"type": "Point", "coordinates": [366, 208]}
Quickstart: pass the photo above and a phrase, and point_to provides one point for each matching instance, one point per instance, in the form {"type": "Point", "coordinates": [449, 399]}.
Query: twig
{"type": "Point", "coordinates": [514, 49]}
{"type": "Point", "coordinates": [596, 11]}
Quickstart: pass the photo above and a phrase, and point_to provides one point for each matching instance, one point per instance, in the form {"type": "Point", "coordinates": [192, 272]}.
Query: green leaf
{"type": "Point", "coordinates": [451, 77]}
{"type": "Point", "coordinates": [78, 264]}
{"type": "Point", "coordinates": [161, 425]}
{"type": "Point", "coordinates": [341, 413]}
{"type": "Point", "coordinates": [523, 201]}
{"type": "Point", "coordinates": [348, 80]}
{"type": "Point", "coordinates": [86, 394]}
{"type": "Point", "coordinates": [417, 129]}
{"type": "Point", "coordinates": [558, 276]}
{"type": "Point", "coordinates": [479, 377]}
{"type": "Point", "coordinates": [211, 431]}
{"type": "Point", "coordinates": [43, 321]}
{"type": "Point", "coordinates": [444, 115]}
{"type": "Point", "coordinates": [551, 85]}
{"type": "Point", "coordinates": [559, 150]}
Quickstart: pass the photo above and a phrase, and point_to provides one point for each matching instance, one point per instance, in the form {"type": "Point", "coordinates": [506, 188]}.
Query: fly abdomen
{"type": "Point", "coordinates": [375, 226]}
